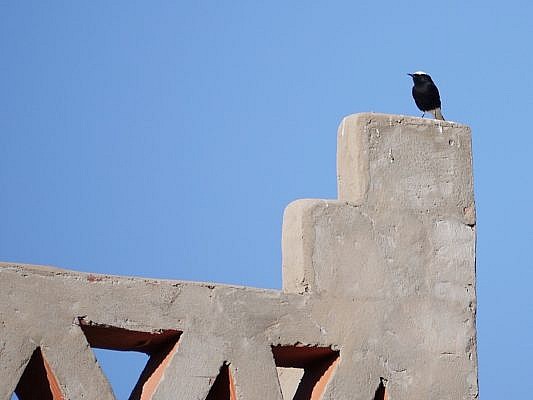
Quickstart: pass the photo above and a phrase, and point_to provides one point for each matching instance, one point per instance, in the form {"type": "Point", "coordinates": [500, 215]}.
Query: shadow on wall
{"type": "Point", "coordinates": [381, 392]}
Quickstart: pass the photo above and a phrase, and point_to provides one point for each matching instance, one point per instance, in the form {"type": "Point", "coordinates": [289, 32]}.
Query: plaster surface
{"type": "Point", "coordinates": [378, 286]}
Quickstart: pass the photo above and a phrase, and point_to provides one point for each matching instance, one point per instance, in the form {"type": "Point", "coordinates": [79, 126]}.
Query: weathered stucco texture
{"type": "Point", "coordinates": [378, 286]}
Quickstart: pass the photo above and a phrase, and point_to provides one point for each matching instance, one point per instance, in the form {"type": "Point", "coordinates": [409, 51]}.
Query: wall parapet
{"type": "Point", "coordinates": [378, 295]}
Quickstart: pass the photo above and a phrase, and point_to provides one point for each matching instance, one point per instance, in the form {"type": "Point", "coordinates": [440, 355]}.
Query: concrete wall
{"type": "Point", "coordinates": [378, 295]}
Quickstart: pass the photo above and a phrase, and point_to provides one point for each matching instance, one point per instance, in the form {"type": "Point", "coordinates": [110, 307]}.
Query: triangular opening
{"type": "Point", "coordinates": [317, 364]}
{"type": "Point", "coordinates": [381, 391]}
{"type": "Point", "coordinates": [159, 345]}
{"type": "Point", "coordinates": [223, 388]}
{"type": "Point", "coordinates": [122, 369]}
{"type": "Point", "coordinates": [38, 381]}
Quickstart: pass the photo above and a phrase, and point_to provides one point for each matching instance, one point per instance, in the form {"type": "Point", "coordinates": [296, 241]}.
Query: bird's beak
{"type": "Point", "coordinates": [411, 75]}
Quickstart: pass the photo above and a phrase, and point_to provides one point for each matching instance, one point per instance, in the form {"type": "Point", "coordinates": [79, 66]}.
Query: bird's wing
{"type": "Point", "coordinates": [426, 97]}
{"type": "Point", "coordinates": [433, 94]}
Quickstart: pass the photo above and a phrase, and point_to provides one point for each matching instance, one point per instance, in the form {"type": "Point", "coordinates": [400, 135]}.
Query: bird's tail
{"type": "Point", "coordinates": [437, 114]}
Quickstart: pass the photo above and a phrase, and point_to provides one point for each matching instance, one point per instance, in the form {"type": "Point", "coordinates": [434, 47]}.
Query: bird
{"type": "Point", "coordinates": [426, 94]}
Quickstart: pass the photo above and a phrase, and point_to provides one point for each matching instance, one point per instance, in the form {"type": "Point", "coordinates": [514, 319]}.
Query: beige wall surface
{"type": "Point", "coordinates": [378, 296]}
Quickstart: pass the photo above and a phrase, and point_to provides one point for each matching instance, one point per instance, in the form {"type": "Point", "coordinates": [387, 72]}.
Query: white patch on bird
{"type": "Point", "coordinates": [420, 73]}
{"type": "Point", "coordinates": [342, 128]}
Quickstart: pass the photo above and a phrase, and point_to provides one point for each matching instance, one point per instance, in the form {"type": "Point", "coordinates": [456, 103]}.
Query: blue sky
{"type": "Point", "coordinates": [164, 139]}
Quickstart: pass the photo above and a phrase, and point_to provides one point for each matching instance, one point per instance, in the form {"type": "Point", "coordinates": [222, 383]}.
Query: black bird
{"type": "Point", "coordinates": [426, 94]}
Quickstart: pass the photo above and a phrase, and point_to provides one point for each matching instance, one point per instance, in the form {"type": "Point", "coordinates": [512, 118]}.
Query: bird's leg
{"type": "Point", "coordinates": [424, 113]}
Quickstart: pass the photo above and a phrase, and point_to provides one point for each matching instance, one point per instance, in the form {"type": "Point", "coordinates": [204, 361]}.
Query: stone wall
{"type": "Point", "coordinates": [378, 298]}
